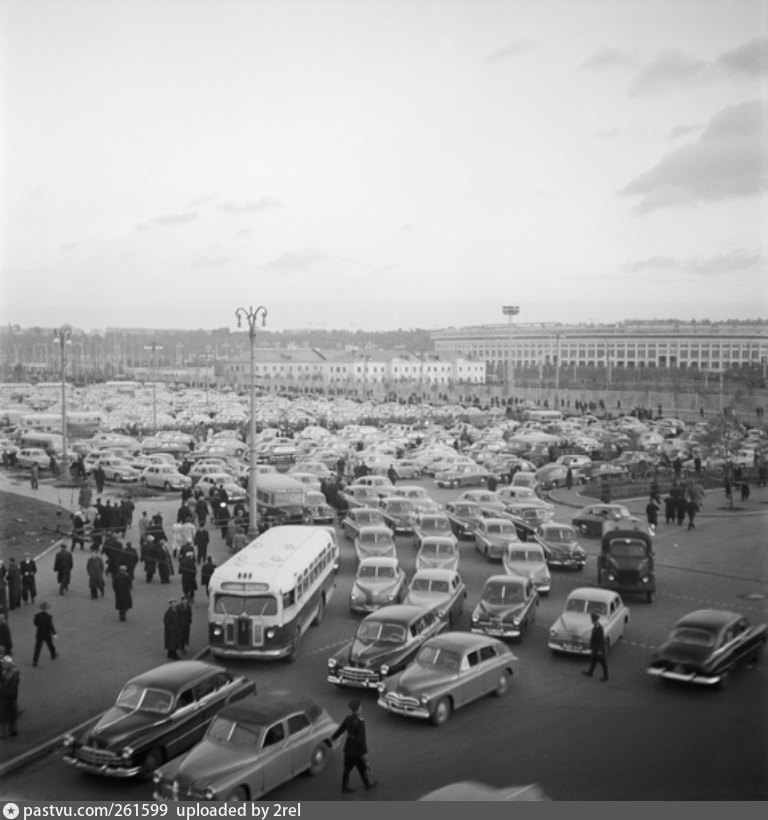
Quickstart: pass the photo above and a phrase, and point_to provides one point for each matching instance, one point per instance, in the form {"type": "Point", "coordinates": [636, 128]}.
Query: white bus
{"type": "Point", "coordinates": [264, 597]}
{"type": "Point", "coordinates": [543, 416]}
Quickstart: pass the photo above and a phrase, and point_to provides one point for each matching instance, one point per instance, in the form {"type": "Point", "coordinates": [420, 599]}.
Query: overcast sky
{"type": "Point", "coordinates": [382, 164]}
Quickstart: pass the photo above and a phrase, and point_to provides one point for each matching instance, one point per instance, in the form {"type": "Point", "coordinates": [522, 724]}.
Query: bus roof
{"type": "Point", "coordinates": [277, 481]}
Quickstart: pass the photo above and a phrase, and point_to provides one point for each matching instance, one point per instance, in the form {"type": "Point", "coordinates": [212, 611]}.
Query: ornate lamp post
{"type": "Point", "coordinates": [510, 311]}
{"type": "Point", "coordinates": [154, 347]}
{"type": "Point", "coordinates": [252, 316]}
{"type": "Point", "coordinates": [63, 336]}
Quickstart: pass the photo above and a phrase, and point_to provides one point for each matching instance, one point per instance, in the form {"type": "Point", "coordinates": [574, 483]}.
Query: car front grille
{"type": "Point", "coordinates": [97, 757]}
{"type": "Point", "coordinates": [356, 675]}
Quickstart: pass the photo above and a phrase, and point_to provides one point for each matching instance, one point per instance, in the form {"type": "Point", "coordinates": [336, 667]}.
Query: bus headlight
{"type": "Point", "coordinates": [271, 632]}
{"type": "Point", "coordinates": [217, 631]}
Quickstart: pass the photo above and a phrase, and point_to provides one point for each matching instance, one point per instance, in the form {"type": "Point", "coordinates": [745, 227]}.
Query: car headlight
{"type": "Point", "coordinates": [611, 576]}
{"type": "Point", "coordinates": [356, 594]}
{"type": "Point", "coordinates": [424, 700]}
{"type": "Point", "coordinates": [552, 633]}
{"type": "Point", "coordinates": [332, 663]}
{"type": "Point", "coordinates": [217, 631]}
{"type": "Point", "coordinates": [382, 688]}
{"type": "Point", "coordinates": [384, 671]}
{"type": "Point", "coordinates": [645, 579]}
{"type": "Point", "coordinates": [157, 777]}
{"type": "Point", "coordinates": [209, 794]}
{"type": "Point", "coordinates": [127, 752]}
{"type": "Point", "coordinates": [515, 621]}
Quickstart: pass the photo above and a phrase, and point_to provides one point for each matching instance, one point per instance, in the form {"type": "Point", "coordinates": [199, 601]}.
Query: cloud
{"type": "Point", "coordinates": [732, 262]}
{"type": "Point", "coordinates": [618, 133]}
{"type": "Point", "coordinates": [729, 161]}
{"type": "Point", "coordinates": [609, 58]}
{"type": "Point", "coordinates": [671, 66]}
{"type": "Point", "coordinates": [509, 51]}
{"type": "Point", "coordinates": [168, 220]}
{"type": "Point", "coordinates": [68, 246]}
{"type": "Point", "coordinates": [213, 261]}
{"type": "Point", "coordinates": [750, 58]}
{"type": "Point", "coordinates": [263, 204]}
{"type": "Point", "coordinates": [294, 263]}
{"type": "Point", "coordinates": [682, 131]}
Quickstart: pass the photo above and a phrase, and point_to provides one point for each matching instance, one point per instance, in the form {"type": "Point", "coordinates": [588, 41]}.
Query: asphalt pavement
{"type": "Point", "coordinates": [97, 652]}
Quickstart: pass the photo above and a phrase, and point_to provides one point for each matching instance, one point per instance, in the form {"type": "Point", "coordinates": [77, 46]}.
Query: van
{"type": "Point", "coordinates": [280, 500]}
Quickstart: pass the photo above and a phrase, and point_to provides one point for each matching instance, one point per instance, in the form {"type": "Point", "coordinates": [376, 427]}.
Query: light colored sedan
{"type": "Point", "coordinates": [379, 582]}
{"type": "Point", "coordinates": [438, 552]}
{"type": "Point", "coordinates": [450, 671]}
{"type": "Point", "coordinates": [375, 540]}
{"type": "Point", "coordinates": [164, 477]}
{"type": "Point", "coordinates": [571, 632]}
{"type": "Point", "coordinates": [250, 748]}
{"type": "Point", "coordinates": [28, 456]}
{"type": "Point", "coordinates": [234, 491]}
{"type": "Point", "coordinates": [438, 590]}
{"type": "Point", "coordinates": [529, 560]}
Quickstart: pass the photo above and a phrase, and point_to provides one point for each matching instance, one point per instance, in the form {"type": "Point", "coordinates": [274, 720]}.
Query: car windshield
{"type": "Point", "coordinates": [228, 732]}
{"type": "Point", "coordinates": [399, 507]}
{"type": "Point", "coordinates": [559, 535]}
{"type": "Point", "coordinates": [245, 605]}
{"type": "Point", "coordinates": [381, 632]}
{"type": "Point", "coordinates": [145, 699]}
{"type": "Point", "coordinates": [586, 606]}
{"type": "Point", "coordinates": [375, 538]}
{"type": "Point", "coordinates": [501, 593]}
{"type": "Point", "coordinates": [692, 636]}
{"type": "Point", "coordinates": [501, 529]}
{"type": "Point", "coordinates": [627, 549]}
{"type": "Point", "coordinates": [438, 550]}
{"type": "Point", "coordinates": [524, 556]}
{"type": "Point", "coordinates": [439, 658]}
{"type": "Point", "coordinates": [376, 572]}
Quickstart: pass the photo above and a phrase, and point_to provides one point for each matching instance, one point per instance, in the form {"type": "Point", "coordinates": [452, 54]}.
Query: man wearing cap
{"type": "Point", "coordinates": [121, 584]}
{"type": "Point", "coordinates": [44, 632]}
{"type": "Point", "coordinates": [172, 630]}
{"type": "Point", "coordinates": [597, 648]}
{"type": "Point", "coordinates": [355, 747]}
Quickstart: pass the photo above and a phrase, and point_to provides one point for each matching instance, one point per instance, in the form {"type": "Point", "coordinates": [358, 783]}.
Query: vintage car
{"type": "Point", "coordinates": [626, 561]}
{"type": "Point", "coordinates": [360, 495]}
{"type": "Point", "coordinates": [379, 582]}
{"type": "Point", "coordinates": [463, 475]}
{"type": "Point", "coordinates": [533, 510]}
{"type": "Point", "coordinates": [489, 502]}
{"type": "Point", "coordinates": [705, 646]}
{"type": "Point", "coordinates": [375, 540]}
{"type": "Point", "coordinates": [250, 748]}
{"type": "Point", "coordinates": [234, 491]}
{"type": "Point", "coordinates": [118, 469]}
{"type": "Point", "coordinates": [450, 671]}
{"type": "Point", "coordinates": [385, 643]}
{"type": "Point", "coordinates": [555, 475]}
{"type": "Point", "coordinates": [507, 607]}
{"type": "Point", "coordinates": [509, 494]}
{"type": "Point", "coordinates": [521, 479]}
{"type": "Point", "coordinates": [318, 508]}
{"type": "Point", "coordinates": [399, 513]}
{"type": "Point", "coordinates": [28, 456]}
{"type": "Point", "coordinates": [561, 546]}
{"type": "Point", "coordinates": [471, 791]}
{"type": "Point", "coordinates": [164, 477]}
{"type": "Point", "coordinates": [418, 496]}
{"type": "Point", "coordinates": [158, 715]}
{"type": "Point", "coordinates": [432, 523]}
{"type": "Point", "coordinates": [492, 537]}
{"type": "Point", "coordinates": [528, 559]}
{"type": "Point", "coordinates": [318, 468]}
{"type": "Point", "coordinates": [571, 632]}
{"type": "Point", "coordinates": [406, 468]}
{"type": "Point", "coordinates": [380, 483]}
{"type": "Point", "coordinates": [359, 517]}
{"type": "Point", "coordinates": [464, 517]}
{"type": "Point", "coordinates": [438, 552]}
{"type": "Point", "coordinates": [589, 520]}
{"type": "Point", "coordinates": [309, 480]}
{"type": "Point", "coordinates": [439, 590]}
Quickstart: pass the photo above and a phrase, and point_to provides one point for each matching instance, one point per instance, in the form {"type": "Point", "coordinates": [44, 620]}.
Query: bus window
{"type": "Point", "coordinates": [289, 598]}
{"type": "Point", "coordinates": [252, 605]}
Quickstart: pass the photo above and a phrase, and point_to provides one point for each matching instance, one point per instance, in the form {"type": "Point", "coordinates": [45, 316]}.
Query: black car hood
{"type": "Point", "coordinates": [501, 610]}
{"type": "Point", "coordinates": [372, 654]}
{"type": "Point", "coordinates": [208, 761]}
{"type": "Point", "coordinates": [118, 726]}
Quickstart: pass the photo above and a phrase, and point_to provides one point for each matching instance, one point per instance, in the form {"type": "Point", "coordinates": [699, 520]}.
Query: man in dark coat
{"type": "Point", "coordinates": [130, 559]}
{"type": "Point", "coordinates": [202, 540]}
{"type": "Point", "coordinates": [78, 530]}
{"type": "Point", "coordinates": [201, 509]}
{"type": "Point", "coordinates": [28, 569]}
{"type": "Point", "coordinates": [172, 629]}
{"type": "Point", "coordinates": [680, 507]}
{"type": "Point", "coordinates": [62, 566]}
{"type": "Point", "coordinates": [188, 572]}
{"type": "Point", "coordinates": [13, 579]}
{"type": "Point", "coordinates": [597, 648]}
{"type": "Point", "coordinates": [44, 633]}
{"type": "Point", "coordinates": [150, 553]}
{"type": "Point", "coordinates": [122, 585]}
{"type": "Point", "coordinates": [355, 747]}
{"type": "Point", "coordinates": [5, 634]}
{"type": "Point", "coordinates": [9, 694]}
{"type": "Point", "coordinates": [99, 477]}
{"type": "Point", "coordinates": [206, 571]}
{"type": "Point", "coordinates": [94, 566]}
{"type": "Point", "coordinates": [184, 609]}
{"type": "Point", "coordinates": [164, 562]}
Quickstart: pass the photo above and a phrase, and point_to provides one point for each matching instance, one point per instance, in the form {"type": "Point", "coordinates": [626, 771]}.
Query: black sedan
{"type": "Point", "coordinates": [157, 716]}
{"type": "Point", "coordinates": [590, 520]}
{"type": "Point", "coordinates": [706, 645]}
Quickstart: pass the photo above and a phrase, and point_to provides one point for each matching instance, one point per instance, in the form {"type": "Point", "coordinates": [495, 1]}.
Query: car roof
{"type": "Point", "coordinates": [268, 708]}
{"type": "Point", "coordinates": [375, 528]}
{"type": "Point", "coordinates": [593, 594]}
{"type": "Point", "coordinates": [461, 641]}
{"type": "Point", "coordinates": [709, 618]}
{"type": "Point", "coordinates": [435, 574]}
{"type": "Point", "coordinates": [402, 613]}
{"type": "Point", "coordinates": [495, 520]}
{"type": "Point", "coordinates": [379, 561]}
{"type": "Point", "coordinates": [519, 580]}
{"type": "Point", "coordinates": [176, 675]}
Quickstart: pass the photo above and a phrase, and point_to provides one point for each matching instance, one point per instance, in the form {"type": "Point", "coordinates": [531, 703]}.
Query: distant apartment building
{"type": "Point", "coordinates": [628, 344]}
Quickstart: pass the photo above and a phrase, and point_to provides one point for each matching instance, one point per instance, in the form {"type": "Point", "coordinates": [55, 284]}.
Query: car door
{"type": "Point", "coordinates": [300, 742]}
{"type": "Point", "coordinates": [277, 756]}
{"type": "Point", "coordinates": [471, 679]}
{"type": "Point", "coordinates": [614, 620]}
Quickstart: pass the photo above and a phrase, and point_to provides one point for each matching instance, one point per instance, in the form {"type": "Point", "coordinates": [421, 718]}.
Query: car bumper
{"type": "Point", "coordinates": [568, 563]}
{"type": "Point", "coordinates": [341, 679]}
{"type": "Point", "coordinates": [568, 647]}
{"type": "Point", "coordinates": [103, 769]}
{"type": "Point", "coordinates": [685, 677]}
{"type": "Point", "coordinates": [405, 709]}
{"type": "Point", "coordinates": [503, 631]}
{"type": "Point", "coordinates": [259, 652]}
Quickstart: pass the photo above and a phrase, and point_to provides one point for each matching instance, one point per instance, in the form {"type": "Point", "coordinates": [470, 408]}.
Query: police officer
{"type": "Point", "coordinates": [355, 747]}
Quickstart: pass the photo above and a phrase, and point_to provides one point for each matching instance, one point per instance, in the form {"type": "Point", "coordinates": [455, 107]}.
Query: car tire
{"type": "Point", "coordinates": [442, 712]}
{"type": "Point", "coordinates": [318, 619]}
{"type": "Point", "coordinates": [166, 486]}
{"type": "Point", "coordinates": [239, 795]}
{"type": "Point", "coordinates": [153, 760]}
{"type": "Point", "coordinates": [583, 529]}
{"type": "Point", "coordinates": [454, 484]}
{"type": "Point", "coordinates": [502, 685]}
{"type": "Point", "coordinates": [319, 760]}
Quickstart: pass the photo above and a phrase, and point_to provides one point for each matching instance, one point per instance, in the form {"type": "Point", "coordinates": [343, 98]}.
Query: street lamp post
{"type": "Point", "coordinates": [154, 347]}
{"type": "Point", "coordinates": [63, 335]}
{"type": "Point", "coordinates": [252, 316]}
{"type": "Point", "coordinates": [510, 311]}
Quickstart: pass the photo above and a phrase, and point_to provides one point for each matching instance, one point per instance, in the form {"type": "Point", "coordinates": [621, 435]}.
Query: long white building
{"type": "Point", "coordinates": [630, 344]}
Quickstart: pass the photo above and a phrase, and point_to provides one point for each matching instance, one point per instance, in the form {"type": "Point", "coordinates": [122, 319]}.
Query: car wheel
{"type": "Point", "coordinates": [442, 712]}
{"type": "Point", "coordinates": [166, 486]}
{"type": "Point", "coordinates": [501, 686]}
{"type": "Point", "coordinates": [454, 484]}
{"type": "Point", "coordinates": [319, 760]}
{"type": "Point", "coordinates": [154, 759]}
{"type": "Point", "coordinates": [318, 619]}
{"type": "Point", "coordinates": [239, 795]}
{"type": "Point", "coordinates": [583, 529]}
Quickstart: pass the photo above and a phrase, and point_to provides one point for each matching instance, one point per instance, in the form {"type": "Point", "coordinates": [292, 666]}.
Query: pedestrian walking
{"type": "Point", "coordinates": [188, 572]}
{"type": "Point", "coordinates": [597, 648]}
{"type": "Point", "coordinates": [392, 474]}
{"type": "Point", "coordinates": [84, 497]}
{"type": "Point", "coordinates": [62, 566]}
{"type": "Point", "coordinates": [172, 630]}
{"type": "Point", "coordinates": [94, 566]}
{"type": "Point", "coordinates": [669, 509]}
{"type": "Point", "coordinates": [5, 634]}
{"type": "Point", "coordinates": [202, 540]}
{"type": "Point", "coordinates": [164, 562]}
{"type": "Point", "coordinates": [355, 747]}
{"type": "Point", "coordinates": [143, 526]}
{"type": "Point", "coordinates": [691, 508]}
{"type": "Point", "coordinates": [130, 559]}
{"type": "Point", "coordinates": [45, 632]}
{"type": "Point", "coordinates": [206, 571]}
{"type": "Point", "coordinates": [122, 585]}
{"type": "Point", "coordinates": [127, 507]}
{"type": "Point", "coordinates": [652, 515]}
{"type": "Point", "coordinates": [99, 476]}
{"type": "Point", "coordinates": [13, 581]}
{"type": "Point", "coordinates": [184, 608]}
{"type": "Point", "coordinates": [28, 569]}
{"type": "Point", "coordinates": [78, 530]}
{"type": "Point", "coordinates": [745, 491]}
{"type": "Point", "coordinates": [240, 540]}
{"type": "Point", "coordinates": [149, 555]}
{"type": "Point", "coordinates": [34, 476]}
{"type": "Point", "coordinates": [680, 508]}
{"type": "Point", "coordinates": [9, 695]}
{"type": "Point", "coordinates": [569, 479]}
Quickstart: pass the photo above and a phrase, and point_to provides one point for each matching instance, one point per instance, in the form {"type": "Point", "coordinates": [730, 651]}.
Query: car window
{"type": "Point", "coordinates": [473, 659]}
{"type": "Point", "coordinates": [186, 698]}
{"type": "Point", "coordinates": [297, 723]}
{"type": "Point", "coordinates": [205, 688]}
{"type": "Point", "coordinates": [487, 652]}
{"type": "Point", "coordinates": [274, 735]}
